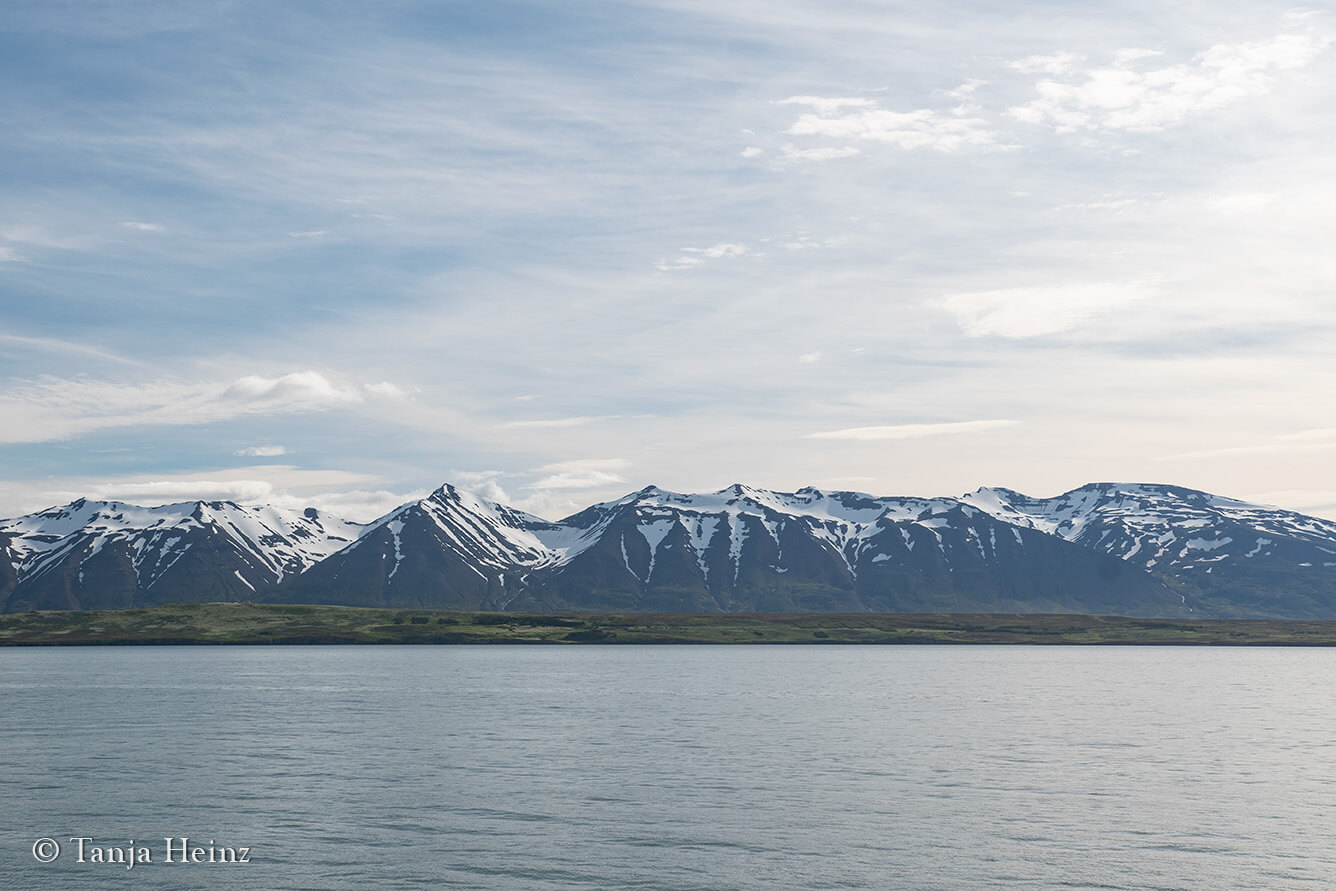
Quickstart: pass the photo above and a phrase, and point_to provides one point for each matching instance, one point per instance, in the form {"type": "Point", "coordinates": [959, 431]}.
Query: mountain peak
{"type": "Point", "coordinates": [1124, 548]}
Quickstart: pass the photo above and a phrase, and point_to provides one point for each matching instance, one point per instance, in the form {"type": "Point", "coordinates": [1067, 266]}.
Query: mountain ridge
{"type": "Point", "coordinates": [1148, 549]}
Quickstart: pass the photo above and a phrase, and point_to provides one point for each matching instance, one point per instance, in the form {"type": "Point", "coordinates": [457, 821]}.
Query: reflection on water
{"type": "Point", "coordinates": [674, 767]}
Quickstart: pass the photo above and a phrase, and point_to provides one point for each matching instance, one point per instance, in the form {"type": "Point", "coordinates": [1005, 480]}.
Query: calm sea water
{"type": "Point", "coordinates": [673, 767]}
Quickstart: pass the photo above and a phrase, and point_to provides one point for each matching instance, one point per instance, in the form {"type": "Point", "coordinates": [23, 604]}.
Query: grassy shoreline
{"type": "Point", "coordinates": [245, 623]}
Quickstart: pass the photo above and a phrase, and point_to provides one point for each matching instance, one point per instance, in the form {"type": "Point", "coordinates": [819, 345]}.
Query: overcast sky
{"type": "Point", "coordinates": [339, 253]}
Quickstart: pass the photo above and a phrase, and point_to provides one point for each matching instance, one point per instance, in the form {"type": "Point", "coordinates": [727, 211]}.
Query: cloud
{"type": "Point", "coordinates": [751, 151]}
{"type": "Point", "coordinates": [54, 345]}
{"type": "Point", "coordinates": [912, 431]}
{"type": "Point", "coordinates": [52, 408]}
{"type": "Point", "coordinates": [1117, 97]}
{"type": "Point", "coordinates": [165, 491]}
{"type": "Point", "coordinates": [385, 390]}
{"type": "Point", "coordinates": [1322, 439]}
{"type": "Point", "coordinates": [965, 91]}
{"type": "Point", "coordinates": [262, 451]}
{"type": "Point", "coordinates": [482, 483]}
{"type": "Point", "coordinates": [810, 358]}
{"type": "Point", "coordinates": [361, 505]}
{"type": "Point", "coordinates": [577, 421]}
{"type": "Point", "coordinates": [299, 390]}
{"type": "Point", "coordinates": [584, 473]}
{"type": "Point", "coordinates": [568, 486]}
{"type": "Point", "coordinates": [1058, 63]}
{"type": "Point", "coordinates": [141, 227]}
{"type": "Point", "coordinates": [792, 153]}
{"type": "Point", "coordinates": [695, 256]}
{"type": "Point", "coordinates": [281, 485]}
{"type": "Point", "coordinates": [578, 479]}
{"type": "Point", "coordinates": [1034, 311]}
{"type": "Point", "coordinates": [830, 105]}
{"type": "Point", "coordinates": [864, 119]}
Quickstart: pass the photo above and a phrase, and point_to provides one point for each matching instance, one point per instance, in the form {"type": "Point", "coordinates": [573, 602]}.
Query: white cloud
{"type": "Point", "coordinates": [569, 486]}
{"type": "Point", "coordinates": [52, 408]}
{"type": "Point", "coordinates": [720, 250]}
{"type": "Point", "coordinates": [810, 358]}
{"type": "Point", "coordinates": [751, 151]}
{"type": "Point", "coordinates": [1058, 63]}
{"type": "Point", "coordinates": [1034, 311]}
{"type": "Point", "coordinates": [1107, 204]}
{"type": "Point", "coordinates": [262, 451]}
{"type": "Point", "coordinates": [966, 91]}
{"type": "Point", "coordinates": [865, 119]}
{"type": "Point", "coordinates": [830, 105]}
{"type": "Point", "coordinates": [54, 345]}
{"type": "Point", "coordinates": [679, 263]}
{"type": "Point", "coordinates": [164, 491]}
{"type": "Point", "coordinates": [912, 431]}
{"type": "Point", "coordinates": [299, 390]}
{"type": "Point", "coordinates": [585, 464]}
{"type": "Point", "coordinates": [584, 473]}
{"type": "Point", "coordinates": [314, 233]}
{"type": "Point", "coordinates": [482, 483]}
{"type": "Point", "coordinates": [141, 227]}
{"type": "Point", "coordinates": [695, 256]}
{"type": "Point", "coordinates": [282, 485]}
{"type": "Point", "coordinates": [1120, 98]}
{"type": "Point", "coordinates": [1322, 439]}
{"type": "Point", "coordinates": [793, 153]}
{"type": "Point", "coordinates": [578, 479]}
{"type": "Point", "coordinates": [361, 505]}
{"type": "Point", "coordinates": [385, 390]}
{"type": "Point", "coordinates": [577, 421]}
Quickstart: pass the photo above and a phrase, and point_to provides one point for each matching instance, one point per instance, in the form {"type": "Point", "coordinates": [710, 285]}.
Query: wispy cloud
{"type": "Point", "coordinates": [261, 451]}
{"type": "Point", "coordinates": [1120, 97]}
{"type": "Point", "coordinates": [1035, 311]}
{"type": "Point", "coordinates": [56, 345]}
{"type": "Point", "coordinates": [1057, 63]}
{"type": "Point", "coordinates": [692, 257]}
{"type": "Point", "coordinates": [913, 431]}
{"type": "Point", "coordinates": [1321, 439]}
{"type": "Point", "coordinates": [564, 486]}
{"type": "Point", "coordinates": [864, 119]}
{"type": "Point", "coordinates": [574, 421]}
{"type": "Point", "coordinates": [829, 153]}
{"type": "Point", "coordinates": [52, 408]}
{"type": "Point", "coordinates": [587, 478]}
{"type": "Point", "coordinates": [492, 209]}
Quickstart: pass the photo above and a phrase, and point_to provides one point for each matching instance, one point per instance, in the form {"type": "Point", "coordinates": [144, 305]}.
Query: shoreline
{"type": "Point", "coordinates": [215, 624]}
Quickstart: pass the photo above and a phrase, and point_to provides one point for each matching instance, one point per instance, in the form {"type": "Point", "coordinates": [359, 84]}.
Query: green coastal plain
{"type": "Point", "coordinates": [246, 623]}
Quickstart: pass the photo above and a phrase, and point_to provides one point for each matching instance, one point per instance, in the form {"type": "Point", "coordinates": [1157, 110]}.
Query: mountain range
{"type": "Point", "coordinates": [1117, 549]}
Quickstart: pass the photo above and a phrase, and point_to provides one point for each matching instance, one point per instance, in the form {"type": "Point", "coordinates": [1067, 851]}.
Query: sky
{"type": "Point", "coordinates": [339, 253]}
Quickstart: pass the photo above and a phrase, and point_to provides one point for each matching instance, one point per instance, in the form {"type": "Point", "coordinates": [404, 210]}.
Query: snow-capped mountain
{"type": "Point", "coordinates": [451, 549]}
{"type": "Point", "coordinates": [1228, 556]}
{"type": "Point", "coordinates": [106, 554]}
{"type": "Point", "coordinates": [1148, 550]}
{"type": "Point", "coordinates": [739, 549]}
{"type": "Point", "coordinates": [745, 549]}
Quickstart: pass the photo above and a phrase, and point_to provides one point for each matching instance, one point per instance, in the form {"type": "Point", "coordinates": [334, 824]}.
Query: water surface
{"type": "Point", "coordinates": [675, 767]}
